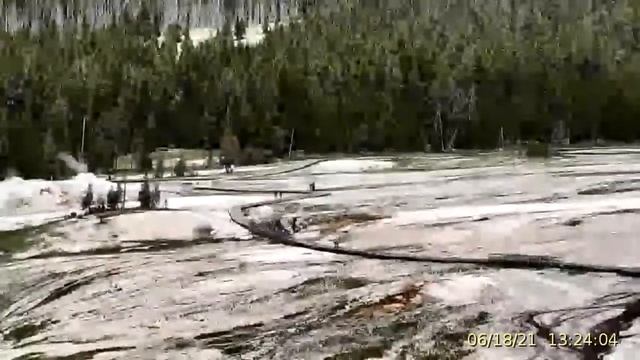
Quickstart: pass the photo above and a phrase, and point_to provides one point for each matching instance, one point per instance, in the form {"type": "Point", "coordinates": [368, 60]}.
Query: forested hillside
{"type": "Point", "coordinates": [346, 75]}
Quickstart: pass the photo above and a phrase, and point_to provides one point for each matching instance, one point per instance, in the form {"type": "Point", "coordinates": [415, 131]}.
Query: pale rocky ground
{"type": "Point", "coordinates": [114, 289]}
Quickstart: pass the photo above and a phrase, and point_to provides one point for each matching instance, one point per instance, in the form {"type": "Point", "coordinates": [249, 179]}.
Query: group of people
{"type": "Point", "coordinates": [148, 199]}
{"type": "Point", "coordinates": [114, 197]}
{"type": "Point", "coordinates": [278, 194]}
{"type": "Point", "coordinates": [228, 164]}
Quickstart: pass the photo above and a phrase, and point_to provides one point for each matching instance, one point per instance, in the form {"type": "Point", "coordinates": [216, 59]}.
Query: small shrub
{"type": "Point", "coordinates": [253, 156]}
{"type": "Point", "coordinates": [538, 149]}
{"type": "Point", "coordinates": [146, 163]}
{"type": "Point", "coordinates": [159, 168]}
{"type": "Point", "coordinates": [181, 168]}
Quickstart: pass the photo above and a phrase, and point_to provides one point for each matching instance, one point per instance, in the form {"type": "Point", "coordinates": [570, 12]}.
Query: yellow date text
{"type": "Point", "coordinates": [501, 339]}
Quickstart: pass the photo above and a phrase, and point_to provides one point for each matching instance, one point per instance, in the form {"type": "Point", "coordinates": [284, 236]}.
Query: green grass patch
{"type": "Point", "coordinates": [32, 356]}
{"type": "Point", "coordinates": [538, 150]}
{"type": "Point", "coordinates": [25, 331]}
{"type": "Point", "coordinates": [14, 241]}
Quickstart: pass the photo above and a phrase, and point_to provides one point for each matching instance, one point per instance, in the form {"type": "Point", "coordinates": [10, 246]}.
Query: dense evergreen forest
{"type": "Point", "coordinates": [347, 75]}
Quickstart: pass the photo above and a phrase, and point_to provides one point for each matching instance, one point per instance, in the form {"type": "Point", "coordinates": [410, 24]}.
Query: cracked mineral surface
{"type": "Point", "coordinates": [140, 285]}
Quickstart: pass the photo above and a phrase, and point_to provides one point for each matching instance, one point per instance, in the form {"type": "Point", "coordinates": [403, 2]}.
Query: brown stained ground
{"type": "Point", "coordinates": [330, 224]}
{"type": "Point", "coordinates": [407, 299]}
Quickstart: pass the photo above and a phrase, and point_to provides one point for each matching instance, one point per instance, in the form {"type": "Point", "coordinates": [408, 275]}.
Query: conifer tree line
{"type": "Point", "coordinates": [347, 75]}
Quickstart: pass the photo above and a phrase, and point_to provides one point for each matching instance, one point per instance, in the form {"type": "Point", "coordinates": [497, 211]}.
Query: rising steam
{"type": "Point", "coordinates": [72, 163]}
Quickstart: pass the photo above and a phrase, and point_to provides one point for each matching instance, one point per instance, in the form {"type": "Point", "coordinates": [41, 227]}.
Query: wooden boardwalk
{"type": "Point", "coordinates": [220, 176]}
{"type": "Point", "coordinates": [501, 261]}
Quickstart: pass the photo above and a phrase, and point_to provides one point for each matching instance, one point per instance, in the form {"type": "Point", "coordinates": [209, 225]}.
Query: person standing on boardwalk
{"type": "Point", "coordinates": [144, 195]}
{"type": "Point", "coordinates": [87, 200]}
{"type": "Point", "coordinates": [113, 198]}
{"type": "Point", "coordinates": [156, 196]}
{"type": "Point", "coordinates": [228, 164]}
